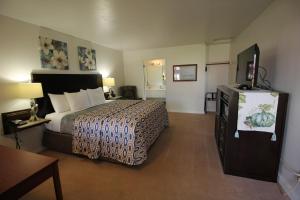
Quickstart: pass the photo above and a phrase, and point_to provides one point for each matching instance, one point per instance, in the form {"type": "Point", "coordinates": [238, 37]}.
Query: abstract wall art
{"type": "Point", "coordinates": [87, 58]}
{"type": "Point", "coordinates": [54, 54]}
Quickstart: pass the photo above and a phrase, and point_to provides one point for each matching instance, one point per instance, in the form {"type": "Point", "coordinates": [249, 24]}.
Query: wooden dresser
{"type": "Point", "coordinates": [252, 155]}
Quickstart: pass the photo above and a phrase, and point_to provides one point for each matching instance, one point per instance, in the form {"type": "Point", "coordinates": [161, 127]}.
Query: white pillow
{"type": "Point", "coordinates": [59, 103]}
{"type": "Point", "coordinates": [96, 96]}
{"type": "Point", "coordinates": [78, 100]}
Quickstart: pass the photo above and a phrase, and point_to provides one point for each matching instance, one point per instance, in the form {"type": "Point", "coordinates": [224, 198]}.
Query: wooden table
{"type": "Point", "coordinates": [21, 171]}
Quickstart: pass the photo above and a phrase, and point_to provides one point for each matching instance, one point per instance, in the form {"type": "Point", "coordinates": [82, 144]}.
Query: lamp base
{"type": "Point", "coordinates": [33, 118]}
{"type": "Point", "coordinates": [33, 111]}
{"type": "Point", "coordinates": [111, 93]}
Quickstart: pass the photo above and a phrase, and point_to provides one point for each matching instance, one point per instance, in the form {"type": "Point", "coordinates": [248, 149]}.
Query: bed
{"type": "Point", "coordinates": [121, 131]}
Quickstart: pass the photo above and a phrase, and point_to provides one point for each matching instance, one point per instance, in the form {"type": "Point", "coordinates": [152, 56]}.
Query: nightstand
{"type": "Point", "coordinates": [112, 98]}
{"type": "Point", "coordinates": [10, 127]}
{"type": "Point", "coordinates": [29, 124]}
{"type": "Point", "coordinates": [116, 98]}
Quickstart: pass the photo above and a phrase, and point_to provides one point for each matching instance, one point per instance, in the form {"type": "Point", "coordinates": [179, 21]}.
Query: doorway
{"type": "Point", "coordinates": [216, 74]}
{"type": "Point", "coordinates": [155, 79]}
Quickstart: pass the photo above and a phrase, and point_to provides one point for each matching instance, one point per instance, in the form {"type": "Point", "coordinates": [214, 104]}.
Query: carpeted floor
{"type": "Point", "coordinates": [182, 164]}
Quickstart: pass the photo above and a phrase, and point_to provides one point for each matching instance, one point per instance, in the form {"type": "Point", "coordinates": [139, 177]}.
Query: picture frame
{"type": "Point", "coordinates": [87, 59]}
{"type": "Point", "coordinates": [53, 54]}
{"type": "Point", "coordinates": [186, 72]}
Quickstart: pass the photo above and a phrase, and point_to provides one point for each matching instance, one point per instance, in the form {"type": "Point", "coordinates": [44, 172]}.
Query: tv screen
{"type": "Point", "coordinates": [247, 66]}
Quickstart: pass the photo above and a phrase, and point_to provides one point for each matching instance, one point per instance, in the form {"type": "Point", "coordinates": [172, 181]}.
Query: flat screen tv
{"type": "Point", "coordinates": [247, 66]}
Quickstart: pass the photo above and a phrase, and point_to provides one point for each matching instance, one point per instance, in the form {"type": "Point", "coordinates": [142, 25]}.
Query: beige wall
{"type": "Point", "coordinates": [217, 53]}
{"type": "Point", "coordinates": [19, 56]}
{"type": "Point", "coordinates": [181, 96]}
{"type": "Point", "coordinates": [216, 74]}
{"type": "Point", "coordinates": [277, 32]}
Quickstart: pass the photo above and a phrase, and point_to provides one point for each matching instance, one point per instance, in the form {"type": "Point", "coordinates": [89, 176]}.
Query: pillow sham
{"type": "Point", "coordinates": [59, 102]}
{"type": "Point", "coordinates": [96, 96]}
{"type": "Point", "coordinates": [78, 100]}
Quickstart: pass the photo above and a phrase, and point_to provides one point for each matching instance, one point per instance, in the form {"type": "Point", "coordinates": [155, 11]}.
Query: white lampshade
{"type": "Point", "coordinates": [109, 82]}
{"type": "Point", "coordinates": [30, 90]}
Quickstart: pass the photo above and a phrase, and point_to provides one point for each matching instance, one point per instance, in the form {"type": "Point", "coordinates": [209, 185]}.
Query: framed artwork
{"type": "Point", "coordinates": [54, 54]}
{"type": "Point", "coordinates": [87, 58]}
{"type": "Point", "coordinates": [185, 72]}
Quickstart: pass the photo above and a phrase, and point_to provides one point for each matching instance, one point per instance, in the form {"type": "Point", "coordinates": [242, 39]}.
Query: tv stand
{"type": "Point", "coordinates": [244, 87]}
{"type": "Point", "coordinates": [252, 155]}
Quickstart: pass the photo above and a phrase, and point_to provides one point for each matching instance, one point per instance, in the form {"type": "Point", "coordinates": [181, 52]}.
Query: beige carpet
{"type": "Point", "coordinates": [183, 164]}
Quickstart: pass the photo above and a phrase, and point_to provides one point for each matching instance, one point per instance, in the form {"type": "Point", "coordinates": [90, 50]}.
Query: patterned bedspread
{"type": "Point", "coordinates": [121, 130]}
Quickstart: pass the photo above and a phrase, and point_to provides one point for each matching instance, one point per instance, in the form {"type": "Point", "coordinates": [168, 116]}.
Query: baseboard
{"type": "Point", "coordinates": [180, 111]}
{"type": "Point", "coordinates": [286, 187]}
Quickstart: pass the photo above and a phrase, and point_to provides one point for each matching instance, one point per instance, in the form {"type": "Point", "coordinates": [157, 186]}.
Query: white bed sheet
{"type": "Point", "coordinates": [54, 124]}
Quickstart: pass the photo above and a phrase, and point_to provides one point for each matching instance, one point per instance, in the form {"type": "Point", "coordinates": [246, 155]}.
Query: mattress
{"type": "Point", "coordinates": [55, 123]}
{"type": "Point", "coordinates": [56, 120]}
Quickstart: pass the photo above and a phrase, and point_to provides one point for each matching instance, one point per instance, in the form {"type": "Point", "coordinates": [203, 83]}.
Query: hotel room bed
{"type": "Point", "coordinates": [121, 130]}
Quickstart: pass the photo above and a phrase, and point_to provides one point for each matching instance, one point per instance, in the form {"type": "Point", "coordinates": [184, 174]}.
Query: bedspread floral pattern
{"type": "Point", "coordinates": [122, 130]}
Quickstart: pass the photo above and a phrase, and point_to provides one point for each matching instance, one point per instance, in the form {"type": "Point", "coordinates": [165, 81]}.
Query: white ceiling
{"type": "Point", "coordinates": [139, 24]}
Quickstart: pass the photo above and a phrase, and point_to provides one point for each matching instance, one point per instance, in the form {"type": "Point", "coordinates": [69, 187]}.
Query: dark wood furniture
{"type": "Point", "coordinates": [58, 84]}
{"type": "Point", "coordinates": [9, 116]}
{"type": "Point", "coordinates": [116, 98]}
{"type": "Point", "coordinates": [22, 171]}
{"type": "Point", "coordinates": [252, 155]}
{"type": "Point", "coordinates": [11, 128]}
{"type": "Point", "coordinates": [61, 142]}
{"type": "Point", "coordinates": [128, 92]}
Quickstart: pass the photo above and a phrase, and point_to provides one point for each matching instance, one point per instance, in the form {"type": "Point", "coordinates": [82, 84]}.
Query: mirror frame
{"type": "Point", "coordinates": [186, 65]}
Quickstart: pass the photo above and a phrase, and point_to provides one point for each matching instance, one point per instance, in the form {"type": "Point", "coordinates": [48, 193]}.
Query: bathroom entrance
{"type": "Point", "coordinates": [155, 79]}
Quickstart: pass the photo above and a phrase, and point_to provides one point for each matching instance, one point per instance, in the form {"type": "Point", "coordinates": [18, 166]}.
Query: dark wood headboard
{"type": "Point", "coordinates": [60, 83]}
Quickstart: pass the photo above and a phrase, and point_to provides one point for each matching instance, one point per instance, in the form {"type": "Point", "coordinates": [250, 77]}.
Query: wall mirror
{"type": "Point", "coordinates": [185, 72]}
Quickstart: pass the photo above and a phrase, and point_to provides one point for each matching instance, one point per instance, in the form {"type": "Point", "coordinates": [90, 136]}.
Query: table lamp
{"type": "Point", "coordinates": [109, 82]}
{"type": "Point", "coordinates": [31, 91]}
